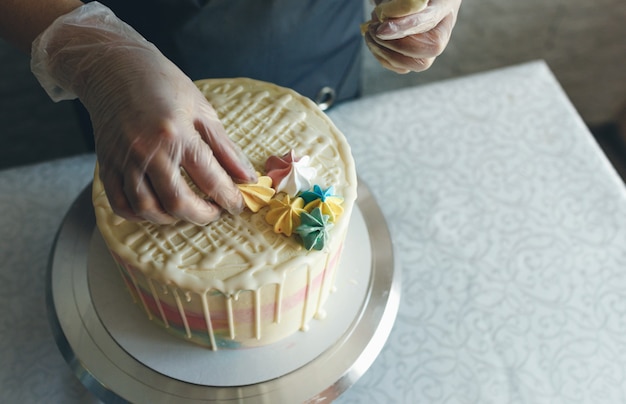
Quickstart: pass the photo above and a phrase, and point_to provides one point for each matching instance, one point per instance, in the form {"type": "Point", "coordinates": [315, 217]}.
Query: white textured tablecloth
{"type": "Point", "coordinates": [510, 231]}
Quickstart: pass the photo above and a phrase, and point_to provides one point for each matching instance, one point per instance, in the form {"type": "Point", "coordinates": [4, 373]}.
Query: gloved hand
{"type": "Point", "coordinates": [405, 40]}
{"type": "Point", "coordinates": [149, 120]}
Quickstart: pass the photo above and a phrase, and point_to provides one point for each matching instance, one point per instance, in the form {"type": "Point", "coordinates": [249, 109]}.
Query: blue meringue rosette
{"type": "Point", "coordinates": [317, 193]}
{"type": "Point", "coordinates": [325, 199]}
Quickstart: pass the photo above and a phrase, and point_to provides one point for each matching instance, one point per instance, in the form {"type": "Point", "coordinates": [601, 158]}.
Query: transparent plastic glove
{"type": "Point", "coordinates": [149, 120]}
{"type": "Point", "coordinates": [410, 42]}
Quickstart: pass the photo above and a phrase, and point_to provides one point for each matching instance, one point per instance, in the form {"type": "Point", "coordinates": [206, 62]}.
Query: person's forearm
{"type": "Point", "coordinates": [21, 21]}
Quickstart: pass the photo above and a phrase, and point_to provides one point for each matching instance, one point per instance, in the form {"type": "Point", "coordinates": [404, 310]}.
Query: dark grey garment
{"type": "Point", "coordinates": [302, 44]}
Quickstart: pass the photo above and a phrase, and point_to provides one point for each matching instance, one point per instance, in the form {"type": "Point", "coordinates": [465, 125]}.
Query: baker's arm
{"type": "Point", "coordinates": [149, 119]}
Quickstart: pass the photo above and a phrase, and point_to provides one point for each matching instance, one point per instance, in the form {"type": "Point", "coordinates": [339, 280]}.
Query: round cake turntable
{"type": "Point", "coordinates": [120, 355]}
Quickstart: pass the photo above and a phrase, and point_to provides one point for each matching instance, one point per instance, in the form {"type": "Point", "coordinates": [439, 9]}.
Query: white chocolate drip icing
{"type": "Point", "coordinates": [257, 314]}
{"type": "Point", "coordinates": [207, 320]}
{"type": "Point", "coordinates": [304, 323]}
{"type": "Point", "coordinates": [181, 311]}
{"type": "Point", "coordinates": [279, 302]}
{"type": "Point", "coordinates": [158, 302]}
{"type": "Point", "coordinates": [141, 298]}
{"type": "Point", "coordinates": [311, 294]}
{"type": "Point", "coordinates": [132, 295]}
{"type": "Point", "coordinates": [231, 321]}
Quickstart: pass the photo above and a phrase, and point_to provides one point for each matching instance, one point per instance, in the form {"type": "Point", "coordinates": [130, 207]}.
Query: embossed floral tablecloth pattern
{"type": "Point", "coordinates": [509, 227]}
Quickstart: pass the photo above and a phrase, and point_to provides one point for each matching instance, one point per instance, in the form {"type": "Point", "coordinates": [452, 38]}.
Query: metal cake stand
{"type": "Point", "coordinates": [114, 374]}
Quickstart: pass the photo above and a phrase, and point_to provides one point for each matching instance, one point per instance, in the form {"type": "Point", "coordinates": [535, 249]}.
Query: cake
{"type": "Point", "coordinates": [256, 278]}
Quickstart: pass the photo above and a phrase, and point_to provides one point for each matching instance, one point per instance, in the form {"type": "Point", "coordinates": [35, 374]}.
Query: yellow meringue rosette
{"type": "Point", "coordinates": [325, 200]}
{"type": "Point", "coordinates": [284, 214]}
{"type": "Point", "coordinates": [330, 206]}
{"type": "Point", "coordinates": [256, 196]}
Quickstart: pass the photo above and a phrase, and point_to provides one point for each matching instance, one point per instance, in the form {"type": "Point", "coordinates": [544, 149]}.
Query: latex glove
{"type": "Point", "coordinates": [149, 120]}
{"type": "Point", "coordinates": [404, 39]}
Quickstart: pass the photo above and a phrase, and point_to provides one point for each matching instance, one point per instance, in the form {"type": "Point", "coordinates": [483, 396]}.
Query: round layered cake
{"type": "Point", "coordinates": [255, 278]}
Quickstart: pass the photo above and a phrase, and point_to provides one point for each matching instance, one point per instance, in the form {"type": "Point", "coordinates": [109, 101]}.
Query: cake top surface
{"type": "Point", "coordinates": [239, 252]}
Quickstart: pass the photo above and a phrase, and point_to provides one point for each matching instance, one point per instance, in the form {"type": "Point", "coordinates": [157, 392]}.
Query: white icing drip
{"type": "Point", "coordinates": [279, 302]}
{"type": "Point", "coordinates": [257, 314]}
{"type": "Point", "coordinates": [155, 296]}
{"type": "Point", "coordinates": [138, 290]}
{"type": "Point", "coordinates": [181, 311]}
{"type": "Point", "coordinates": [321, 314]}
{"type": "Point", "coordinates": [327, 270]}
{"type": "Point", "coordinates": [207, 319]}
{"type": "Point", "coordinates": [307, 297]}
{"type": "Point", "coordinates": [231, 321]}
{"type": "Point", "coordinates": [132, 295]}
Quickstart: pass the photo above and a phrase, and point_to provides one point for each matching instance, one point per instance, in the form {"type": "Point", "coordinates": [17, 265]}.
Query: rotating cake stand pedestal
{"type": "Point", "coordinates": [119, 355]}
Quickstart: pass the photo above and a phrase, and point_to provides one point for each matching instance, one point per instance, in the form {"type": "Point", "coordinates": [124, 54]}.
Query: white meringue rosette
{"type": "Point", "coordinates": [290, 174]}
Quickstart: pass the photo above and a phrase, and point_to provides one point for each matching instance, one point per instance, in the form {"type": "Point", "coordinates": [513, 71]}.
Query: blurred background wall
{"type": "Point", "coordinates": [583, 42]}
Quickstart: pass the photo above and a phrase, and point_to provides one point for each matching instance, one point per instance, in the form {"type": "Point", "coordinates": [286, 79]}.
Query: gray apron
{"type": "Point", "coordinates": [311, 46]}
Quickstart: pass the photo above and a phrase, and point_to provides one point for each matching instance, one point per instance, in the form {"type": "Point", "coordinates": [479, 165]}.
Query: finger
{"type": "Point", "coordinates": [114, 191]}
{"type": "Point", "coordinates": [410, 47]}
{"type": "Point", "coordinates": [211, 178]}
{"type": "Point", "coordinates": [129, 191]}
{"type": "Point", "coordinates": [395, 61]}
{"type": "Point", "coordinates": [424, 21]}
{"type": "Point", "coordinates": [175, 195]}
{"type": "Point", "coordinates": [426, 45]}
{"type": "Point", "coordinates": [399, 8]}
{"type": "Point", "coordinates": [228, 154]}
{"type": "Point", "coordinates": [143, 200]}
{"type": "Point", "coordinates": [395, 28]}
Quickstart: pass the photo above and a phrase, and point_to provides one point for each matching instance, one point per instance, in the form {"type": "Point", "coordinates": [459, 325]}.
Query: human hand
{"type": "Point", "coordinates": [404, 39]}
{"type": "Point", "coordinates": [149, 120]}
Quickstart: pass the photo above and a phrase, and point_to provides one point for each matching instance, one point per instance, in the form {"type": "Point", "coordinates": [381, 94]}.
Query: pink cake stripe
{"type": "Point", "coordinates": [219, 320]}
